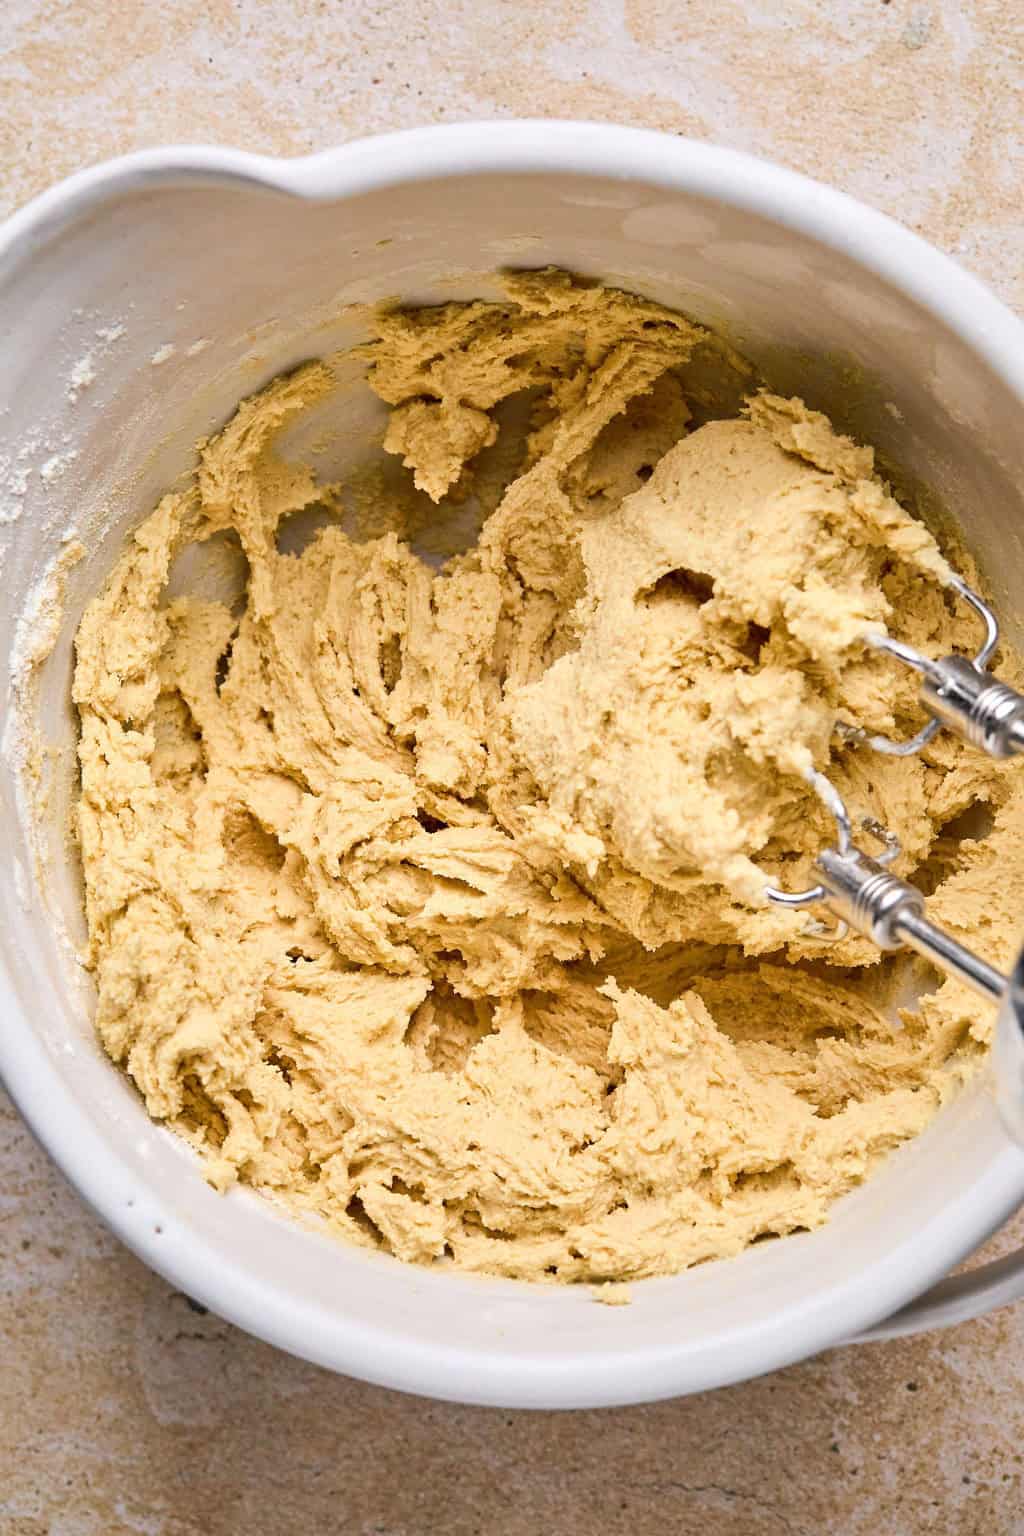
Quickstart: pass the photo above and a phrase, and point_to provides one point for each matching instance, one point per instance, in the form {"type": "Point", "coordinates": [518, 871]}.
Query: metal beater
{"type": "Point", "coordinates": [960, 695]}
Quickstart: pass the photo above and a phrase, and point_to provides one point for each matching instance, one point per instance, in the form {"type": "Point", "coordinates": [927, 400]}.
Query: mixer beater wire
{"type": "Point", "coordinates": [961, 695]}
{"type": "Point", "coordinates": [859, 890]}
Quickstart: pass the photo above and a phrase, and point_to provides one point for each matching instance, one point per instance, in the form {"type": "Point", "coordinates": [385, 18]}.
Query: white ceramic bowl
{"type": "Point", "coordinates": [223, 268]}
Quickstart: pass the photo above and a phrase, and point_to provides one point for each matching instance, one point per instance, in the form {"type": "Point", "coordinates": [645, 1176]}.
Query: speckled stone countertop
{"type": "Point", "coordinates": [123, 1409]}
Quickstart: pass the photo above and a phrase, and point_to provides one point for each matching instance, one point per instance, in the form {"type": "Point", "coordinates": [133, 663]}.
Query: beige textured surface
{"type": "Point", "coordinates": [121, 1409]}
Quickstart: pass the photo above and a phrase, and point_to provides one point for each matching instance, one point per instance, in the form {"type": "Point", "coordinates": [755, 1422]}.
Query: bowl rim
{"type": "Point", "coordinates": [523, 146]}
{"type": "Point", "coordinates": [513, 147]}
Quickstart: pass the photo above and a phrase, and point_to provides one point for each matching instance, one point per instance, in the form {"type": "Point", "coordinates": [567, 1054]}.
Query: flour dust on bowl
{"type": "Point", "coordinates": [134, 331]}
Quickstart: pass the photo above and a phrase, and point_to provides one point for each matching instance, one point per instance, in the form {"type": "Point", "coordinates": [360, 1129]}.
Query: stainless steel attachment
{"type": "Point", "coordinates": [863, 895]}
{"type": "Point", "coordinates": [959, 693]}
{"type": "Point", "coordinates": [962, 696]}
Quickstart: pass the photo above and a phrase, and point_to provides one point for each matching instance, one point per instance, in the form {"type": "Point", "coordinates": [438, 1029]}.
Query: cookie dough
{"type": "Point", "coordinates": [429, 901]}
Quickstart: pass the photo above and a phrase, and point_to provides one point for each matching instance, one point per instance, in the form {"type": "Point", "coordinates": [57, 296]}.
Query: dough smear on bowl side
{"type": "Point", "coordinates": [430, 901]}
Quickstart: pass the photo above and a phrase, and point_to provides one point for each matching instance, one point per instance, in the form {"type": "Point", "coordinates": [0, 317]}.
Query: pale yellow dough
{"type": "Point", "coordinates": [431, 901]}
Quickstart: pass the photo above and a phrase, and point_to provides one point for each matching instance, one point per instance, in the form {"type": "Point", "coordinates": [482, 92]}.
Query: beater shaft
{"type": "Point", "coordinates": [958, 692]}
{"type": "Point", "coordinates": [885, 909]}
{"type": "Point", "coordinates": [864, 896]}
{"type": "Point", "coordinates": [950, 956]}
{"type": "Point", "coordinates": [975, 706]}
{"type": "Point", "coordinates": [891, 913]}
